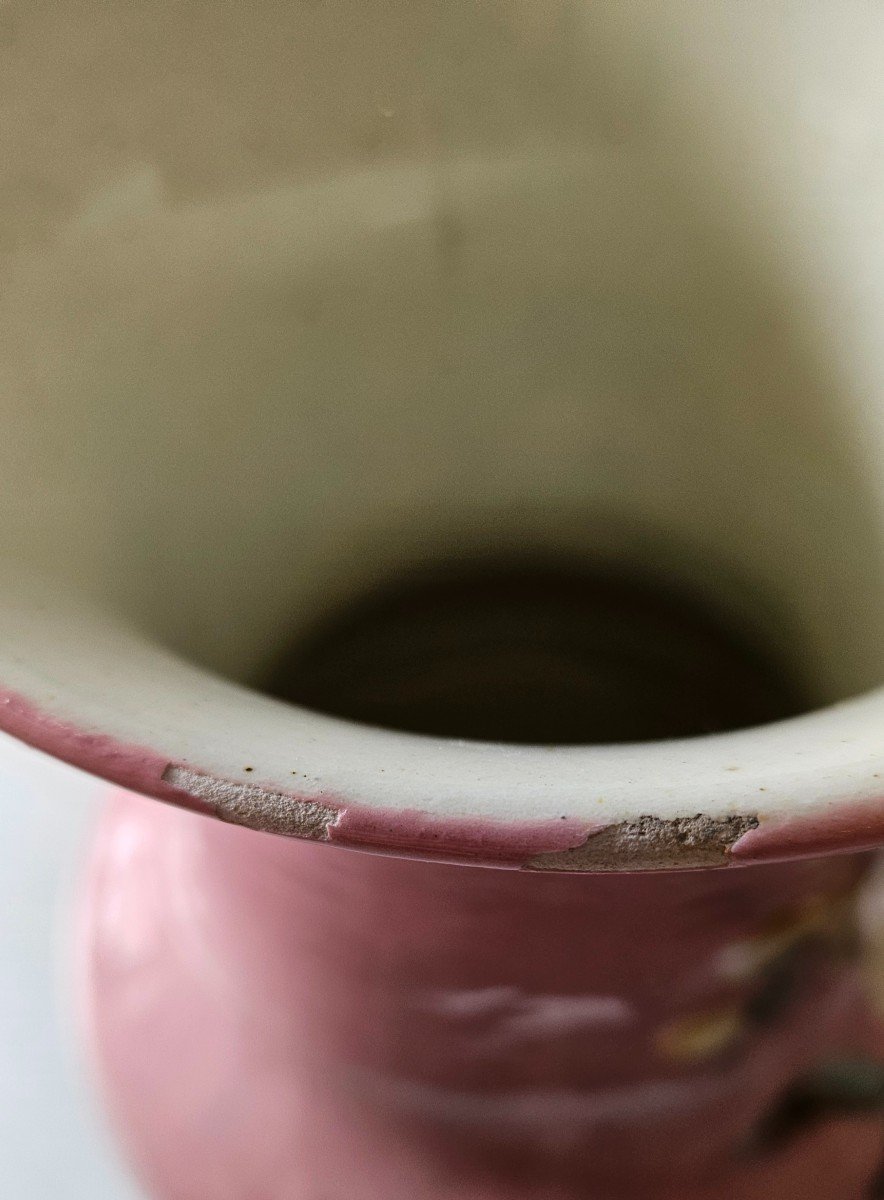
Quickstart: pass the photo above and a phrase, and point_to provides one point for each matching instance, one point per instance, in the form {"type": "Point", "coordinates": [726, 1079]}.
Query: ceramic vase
{"type": "Point", "coordinates": [300, 299]}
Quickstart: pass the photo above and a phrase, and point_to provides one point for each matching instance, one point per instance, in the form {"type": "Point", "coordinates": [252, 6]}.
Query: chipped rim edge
{"type": "Point", "coordinates": [568, 844]}
{"type": "Point", "coordinates": [83, 683]}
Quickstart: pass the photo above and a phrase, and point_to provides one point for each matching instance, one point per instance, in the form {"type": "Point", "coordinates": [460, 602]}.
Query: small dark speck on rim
{"type": "Point", "coordinates": [248, 768]}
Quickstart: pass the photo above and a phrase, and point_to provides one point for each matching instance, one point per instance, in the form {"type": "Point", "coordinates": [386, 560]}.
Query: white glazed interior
{"type": "Point", "coordinates": [596, 281]}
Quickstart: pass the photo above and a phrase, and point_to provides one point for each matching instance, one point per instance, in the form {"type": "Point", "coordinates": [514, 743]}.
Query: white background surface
{"type": "Point", "coordinates": [53, 1143]}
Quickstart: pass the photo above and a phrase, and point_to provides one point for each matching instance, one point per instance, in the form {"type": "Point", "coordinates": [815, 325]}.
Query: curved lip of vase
{"type": "Point", "coordinates": [91, 690]}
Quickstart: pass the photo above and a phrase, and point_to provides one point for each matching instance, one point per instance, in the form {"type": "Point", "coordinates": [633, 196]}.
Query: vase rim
{"type": "Point", "coordinates": [93, 691]}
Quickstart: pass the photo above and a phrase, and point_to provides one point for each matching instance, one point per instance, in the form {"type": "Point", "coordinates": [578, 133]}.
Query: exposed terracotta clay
{"type": "Point", "coordinates": [652, 844]}
{"type": "Point", "coordinates": [255, 807]}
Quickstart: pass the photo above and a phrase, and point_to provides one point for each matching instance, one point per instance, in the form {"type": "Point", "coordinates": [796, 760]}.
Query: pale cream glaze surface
{"type": "Point", "coordinates": [296, 294]}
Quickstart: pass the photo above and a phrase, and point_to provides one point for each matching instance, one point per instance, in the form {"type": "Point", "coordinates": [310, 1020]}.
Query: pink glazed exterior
{"type": "Point", "coordinates": [282, 1021]}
